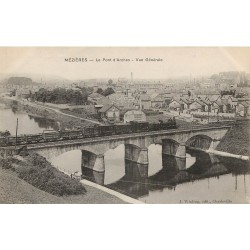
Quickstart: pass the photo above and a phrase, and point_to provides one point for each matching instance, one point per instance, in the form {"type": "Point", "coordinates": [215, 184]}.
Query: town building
{"type": "Point", "coordinates": [243, 108]}
{"type": "Point", "coordinates": [110, 112]}
{"type": "Point", "coordinates": [134, 115]}
{"type": "Point", "coordinates": [176, 105]}
{"type": "Point", "coordinates": [208, 105]}
{"type": "Point", "coordinates": [186, 102]}
{"type": "Point", "coordinates": [157, 101]}
{"type": "Point", "coordinates": [145, 101]}
{"type": "Point", "coordinates": [218, 106]}
{"type": "Point", "coordinates": [197, 105]}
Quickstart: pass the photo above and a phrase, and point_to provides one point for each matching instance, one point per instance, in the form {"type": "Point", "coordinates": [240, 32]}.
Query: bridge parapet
{"type": "Point", "coordinates": [173, 143]}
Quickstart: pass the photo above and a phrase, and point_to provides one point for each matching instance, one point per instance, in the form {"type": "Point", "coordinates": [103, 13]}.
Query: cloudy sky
{"type": "Point", "coordinates": [175, 61]}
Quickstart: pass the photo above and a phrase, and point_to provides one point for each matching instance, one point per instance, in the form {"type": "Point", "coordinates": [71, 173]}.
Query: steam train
{"type": "Point", "coordinates": [87, 132]}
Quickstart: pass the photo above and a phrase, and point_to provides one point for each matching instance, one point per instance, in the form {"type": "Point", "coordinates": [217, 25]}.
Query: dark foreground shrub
{"type": "Point", "coordinates": [37, 171]}
{"type": "Point", "coordinates": [6, 163]}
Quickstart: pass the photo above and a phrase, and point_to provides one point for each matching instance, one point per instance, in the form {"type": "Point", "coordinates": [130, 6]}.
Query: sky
{"type": "Point", "coordinates": [176, 61]}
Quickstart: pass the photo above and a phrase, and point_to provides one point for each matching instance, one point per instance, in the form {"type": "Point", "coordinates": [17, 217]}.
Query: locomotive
{"type": "Point", "coordinates": [88, 132]}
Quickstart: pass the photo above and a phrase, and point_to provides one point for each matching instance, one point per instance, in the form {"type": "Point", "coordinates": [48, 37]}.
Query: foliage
{"type": "Point", "coordinates": [110, 81]}
{"type": "Point", "coordinates": [61, 96]}
{"type": "Point", "coordinates": [227, 92]}
{"type": "Point", "coordinates": [37, 171]}
{"type": "Point", "coordinates": [108, 91]}
{"type": "Point", "coordinates": [100, 91]}
{"type": "Point", "coordinates": [4, 133]}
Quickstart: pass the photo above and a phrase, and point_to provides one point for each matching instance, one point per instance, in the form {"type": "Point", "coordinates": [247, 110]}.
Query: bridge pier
{"type": "Point", "coordinates": [92, 161]}
{"type": "Point", "coordinates": [181, 163]}
{"type": "Point", "coordinates": [143, 156]}
{"type": "Point", "coordinates": [172, 163]}
{"type": "Point", "coordinates": [136, 154]}
{"type": "Point", "coordinates": [135, 171]}
{"type": "Point", "coordinates": [97, 177]}
{"type": "Point", "coordinates": [181, 151]}
{"type": "Point", "coordinates": [173, 148]}
{"type": "Point", "coordinates": [99, 165]}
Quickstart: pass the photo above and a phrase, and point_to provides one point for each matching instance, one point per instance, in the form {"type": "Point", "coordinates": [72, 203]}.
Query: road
{"type": "Point", "coordinates": [32, 104]}
{"type": "Point", "coordinates": [60, 112]}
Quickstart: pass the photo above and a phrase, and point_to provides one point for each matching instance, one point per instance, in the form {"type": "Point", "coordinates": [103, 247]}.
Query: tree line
{"type": "Point", "coordinates": [61, 96]}
{"type": "Point", "coordinates": [67, 96]}
{"type": "Point", "coordinates": [105, 92]}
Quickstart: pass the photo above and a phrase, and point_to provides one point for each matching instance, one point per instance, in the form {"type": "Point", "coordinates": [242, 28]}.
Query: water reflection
{"type": "Point", "coordinates": [174, 173]}
{"type": "Point", "coordinates": [44, 123]}
{"type": "Point", "coordinates": [27, 124]}
{"type": "Point", "coordinates": [167, 179]}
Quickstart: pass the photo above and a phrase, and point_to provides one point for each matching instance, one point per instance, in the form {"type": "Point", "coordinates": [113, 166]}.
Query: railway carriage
{"type": "Point", "coordinates": [91, 131]}
{"type": "Point", "coordinates": [106, 130]}
{"type": "Point", "coordinates": [12, 140]}
{"type": "Point", "coordinates": [154, 126]}
{"type": "Point", "coordinates": [88, 132]}
{"type": "Point", "coordinates": [51, 135]}
{"type": "Point", "coordinates": [122, 129]}
{"type": "Point", "coordinates": [139, 127]}
{"type": "Point", "coordinates": [68, 135]}
{"type": "Point", "coordinates": [2, 141]}
{"type": "Point", "coordinates": [33, 138]}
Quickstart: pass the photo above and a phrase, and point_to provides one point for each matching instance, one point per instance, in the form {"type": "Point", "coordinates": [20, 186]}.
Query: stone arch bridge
{"type": "Point", "coordinates": [173, 143]}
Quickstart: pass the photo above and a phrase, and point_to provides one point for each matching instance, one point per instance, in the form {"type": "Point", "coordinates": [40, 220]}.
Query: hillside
{"type": "Point", "coordinates": [17, 191]}
{"type": "Point", "coordinates": [237, 140]}
{"type": "Point", "coordinates": [31, 179]}
{"type": "Point", "coordinates": [19, 81]}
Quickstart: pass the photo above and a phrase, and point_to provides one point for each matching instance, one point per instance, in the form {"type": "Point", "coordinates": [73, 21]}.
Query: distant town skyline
{"type": "Point", "coordinates": [119, 62]}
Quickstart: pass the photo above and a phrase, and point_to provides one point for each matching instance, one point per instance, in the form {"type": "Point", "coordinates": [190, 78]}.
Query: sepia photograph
{"type": "Point", "coordinates": [124, 125]}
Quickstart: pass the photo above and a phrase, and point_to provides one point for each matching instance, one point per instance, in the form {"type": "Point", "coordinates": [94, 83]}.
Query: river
{"type": "Point", "coordinates": [201, 178]}
{"type": "Point", "coordinates": [27, 124]}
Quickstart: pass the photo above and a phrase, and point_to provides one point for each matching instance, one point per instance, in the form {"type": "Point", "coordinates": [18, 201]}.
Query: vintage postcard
{"type": "Point", "coordinates": [157, 125]}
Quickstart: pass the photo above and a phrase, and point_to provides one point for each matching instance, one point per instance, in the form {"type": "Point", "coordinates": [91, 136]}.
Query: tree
{"type": "Point", "coordinates": [100, 91]}
{"type": "Point", "coordinates": [5, 133]}
{"type": "Point", "coordinates": [110, 81]}
{"type": "Point", "coordinates": [108, 91]}
{"type": "Point", "coordinates": [62, 96]}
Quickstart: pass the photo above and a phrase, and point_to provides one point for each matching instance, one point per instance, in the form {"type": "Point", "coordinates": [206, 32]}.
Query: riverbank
{"type": "Point", "coordinates": [63, 120]}
{"type": "Point", "coordinates": [14, 189]}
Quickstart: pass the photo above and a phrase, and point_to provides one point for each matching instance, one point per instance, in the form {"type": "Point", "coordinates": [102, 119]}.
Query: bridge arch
{"type": "Point", "coordinates": [50, 153]}
{"type": "Point", "coordinates": [173, 143]}
{"type": "Point", "coordinates": [69, 161]}
{"type": "Point", "coordinates": [200, 141]}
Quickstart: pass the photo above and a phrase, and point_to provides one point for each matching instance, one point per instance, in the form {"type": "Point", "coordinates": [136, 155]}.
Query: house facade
{"type": "Point", "coordinates": [145, 102]}
{"type": "Point", "coordinates": [176, 105]}
{"type": "Point", "coordinates": [134, 115]}
{"type": "Point", "coordinates": [157, 102]}
{"type": "Point", "coordinates": [243, 109]}
{"type": "Point", "coordinates": [110, 112]}
{"type": "Point", "coordinates": [197, 106]}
